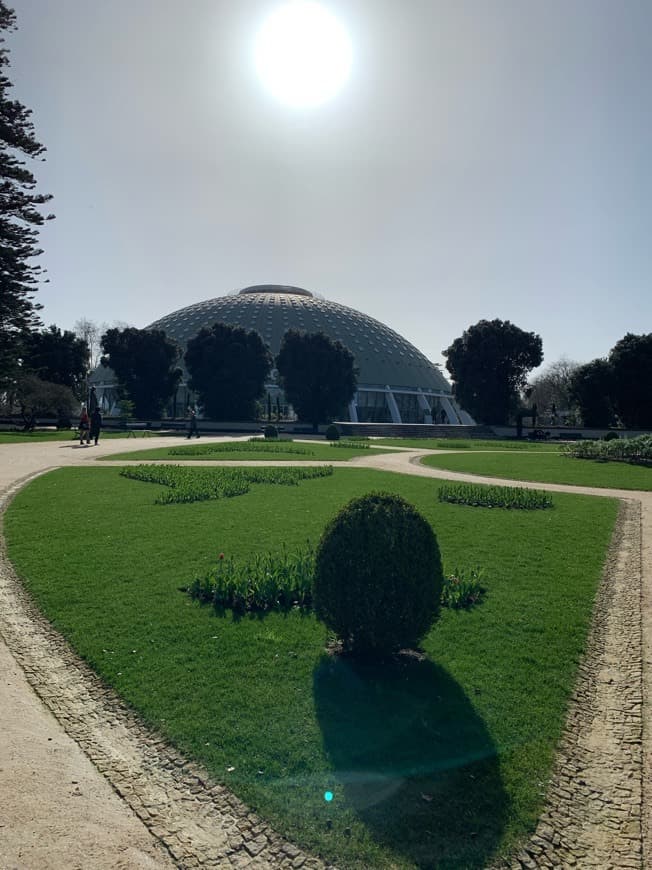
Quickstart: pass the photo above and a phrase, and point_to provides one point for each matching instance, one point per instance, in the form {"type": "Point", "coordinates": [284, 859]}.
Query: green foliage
{"type": "Point", "coordinates": [592, 387]}
{"type": "Point", "coordinates": [611, 436]}
{"type": "Point", "coordinates": [143, 361]}
{"type": "Point", "coordinates": [20, 217]}
{"type": "Point", "coordinates": [349, 445]}
{"type": "Point", "coordinates": [270, 433]}
{"type": "Point", "coordinates": [631, 364]}
{"type": "Point", "coordinates": [265, 581]}
{"type": "Point", "coordinates": [481, 495]}
{"type": "Point", "coordinates": [317, 374]}
{"type": "Point", "coordinates": [463, 588]}
{"type": "Point", "coordinates": [332, 433]}
{"type": "Point", "coordinates": [464, 444]}
{"type": "Point", "coordinates": [192, 484]}
{"type": "Point", "coordinates": [272, 581]}
{"type": "Point", "coordinates": [57, 357]}
{"type": "Point", "coordinates": [637, 451]}
{"type": "Point", "coordinates": [228, 367]}
{"type": "Point", "coordinates": [37, 398]}
{"type": "Point", "coordinates": [378, 575]}
{"type": "Point", "coordinates": [489, 364]}
{"type": "Point", "coordinates": [255, 445]}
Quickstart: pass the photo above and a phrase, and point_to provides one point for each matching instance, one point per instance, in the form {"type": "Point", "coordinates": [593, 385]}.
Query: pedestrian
{"type": "Point", "coordinates": [96, 425]}
{"type": "Point", "coordinates": [84, 426]}
{"type": "Point", "coordinates": [193, 423]}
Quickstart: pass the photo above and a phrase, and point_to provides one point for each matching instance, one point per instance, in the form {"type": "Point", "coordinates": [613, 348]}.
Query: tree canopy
{"type": "Point", "coordinates": [592, 388]}
{"type": "Point", "coordinates": [20, 216]}
{"type": "Point", "coordinates": [143, 361]}
{"type": "Point", "coordinates": [58, 357]}
{"type": "Point", "coordinates": [227, 367]}
{"type": "Point", "coordinates": [631, 365]}
{"type": "Point", "coordinates": [39, 398]}
{"type": "Point", "coordinates": [317, 374]}
{"type": "Point", "coordinates": [488, 365]}
{"type": "Point", "coordinates": [552, 388]}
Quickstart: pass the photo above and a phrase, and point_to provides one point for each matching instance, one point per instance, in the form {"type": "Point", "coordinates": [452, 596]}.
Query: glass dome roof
{"type": "Point", "coordinates": [382, 356]}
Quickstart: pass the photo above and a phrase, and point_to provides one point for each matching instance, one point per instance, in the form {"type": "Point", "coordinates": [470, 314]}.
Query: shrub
{"type": "Point", "coordinates": [332, 433]}
{"type": "Point", "coordinates": [611, 436]}
{"type": "Point", "coordinates": [270, 432]}
{"type": "Point", "coordinates": [254, 445]}
{"type": "Point", "coordinates": [378, 575]}
{"type": "Point", "coordinates": [186, 485]}
{"type": "Point", "coordinates": [485, 495]}
{"type": "Point", "coordinates": [463, 588]}
{"type": "Point", "coordinates": [637, 451]}
{"type": "Point", "coordinates": [267, 581]}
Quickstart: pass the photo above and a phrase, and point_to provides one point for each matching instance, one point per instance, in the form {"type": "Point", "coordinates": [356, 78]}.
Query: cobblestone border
{"type": "Point", "coordinates": [593, 813]}
{"type": "Point", "coordinates": [199, 822]}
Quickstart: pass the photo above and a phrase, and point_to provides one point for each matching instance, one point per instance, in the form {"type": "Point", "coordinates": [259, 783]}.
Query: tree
{"type": "Point", "coordinates": [143, 361]}
{"type": "Point", "coordinates": [592, 388]}
{"type": "Point", "coordinates": [37, 398]}
{"type": "Point", "coordinates": [228, 367]}
{"type": "Point", "coordinates": [631, 363]}
{"type": "Point", "coordinates": [91, 333]}
{"type": "Point", "coordinates": [489, 364]}
{"type": "Point", "coordinates": [552, 388]}
{"type": "Point", "coordinates": [58, 357]}
{"type": "Point", "coordinates": [317, 374]}
{"type": "Point", "coordinates": [20, 217]}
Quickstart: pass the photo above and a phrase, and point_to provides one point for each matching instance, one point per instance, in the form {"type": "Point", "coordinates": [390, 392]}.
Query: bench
{"type": "Point", "coordinates": [132, 428]}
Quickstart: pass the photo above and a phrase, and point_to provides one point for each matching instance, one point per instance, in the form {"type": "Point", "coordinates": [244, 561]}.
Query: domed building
{"type": "Point", "coordinates": [396, 382]}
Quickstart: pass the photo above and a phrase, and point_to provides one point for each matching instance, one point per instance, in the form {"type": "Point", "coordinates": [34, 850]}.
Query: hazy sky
{"type": "Point", "coordinates": [487, 158]}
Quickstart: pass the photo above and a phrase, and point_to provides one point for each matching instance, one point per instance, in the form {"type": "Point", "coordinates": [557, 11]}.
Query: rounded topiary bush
{"type": "Point", "coordinates": [332, 433]}
{"type": "Point", "coordinates": [270, 432]}
{"type": "Point", "coordinates": [378, 575]}
{"type": "Point", "coordinates": [611, 436]}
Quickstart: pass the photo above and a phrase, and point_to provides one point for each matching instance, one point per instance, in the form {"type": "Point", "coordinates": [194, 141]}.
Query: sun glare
{"type": "Point", "coordinates": [302, 53]}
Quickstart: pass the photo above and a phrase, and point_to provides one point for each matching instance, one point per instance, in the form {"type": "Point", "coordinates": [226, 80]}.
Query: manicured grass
{"type": "Point", "coordinates": [550, 468]}
{"type": "Point", "coordinates": [468, 444]}
{"type": "Point", "coordinates": [248, 450]}
{"type": "Point", "coordinates": [59, 435]}
{"type": "Point", "coordinates": [435, 763]}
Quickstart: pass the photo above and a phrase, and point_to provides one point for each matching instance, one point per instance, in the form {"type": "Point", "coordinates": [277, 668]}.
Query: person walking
{"type": "Point", "coordinates": [193, 423]}
{"type": "Point", "coordinates": [84, 426]}
{"type": "Point", "coordinates": [96, 425]}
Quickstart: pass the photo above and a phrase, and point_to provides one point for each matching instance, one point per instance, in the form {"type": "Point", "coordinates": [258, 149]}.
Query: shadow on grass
{"type": "Point", "coordinates": [415, 761]}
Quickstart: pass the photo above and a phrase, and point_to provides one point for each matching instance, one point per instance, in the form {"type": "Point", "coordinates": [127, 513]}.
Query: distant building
{"type": "Point", "coordinates": [396, 382]}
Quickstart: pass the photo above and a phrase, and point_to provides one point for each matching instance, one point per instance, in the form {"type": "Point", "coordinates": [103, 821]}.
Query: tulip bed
{"type": "Point", "coordinates": [201, 484]}
{"type": "Point", "coordinates": [479, 495]}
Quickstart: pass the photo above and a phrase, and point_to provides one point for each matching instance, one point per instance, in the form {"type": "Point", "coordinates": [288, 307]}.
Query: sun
{"type": "Point", "coordinates": [302, 53]}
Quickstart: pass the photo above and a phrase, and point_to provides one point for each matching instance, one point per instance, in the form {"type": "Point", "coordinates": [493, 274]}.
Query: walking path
{"type": "Point", "coordinates": [57, 809]}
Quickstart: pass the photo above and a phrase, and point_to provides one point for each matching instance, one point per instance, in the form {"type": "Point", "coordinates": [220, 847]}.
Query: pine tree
{"type": "Point", "coordinates": [20, 216]}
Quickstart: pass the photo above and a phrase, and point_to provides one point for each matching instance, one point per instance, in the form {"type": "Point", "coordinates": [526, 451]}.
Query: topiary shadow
{"type": "Point", "coordinates": [414, 760]}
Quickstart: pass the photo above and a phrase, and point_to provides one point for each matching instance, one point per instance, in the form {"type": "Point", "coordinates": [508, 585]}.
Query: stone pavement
{"type": "Point", "coordinates": [172, 815]}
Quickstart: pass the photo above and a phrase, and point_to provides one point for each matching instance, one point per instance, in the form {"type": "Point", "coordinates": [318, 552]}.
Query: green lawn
{"type": "Point", "coordinates": [59, 435]}
{"type": "Point", "coordinates": [468, 444]}
{"type": "Point", "coordinates": [276, 451]}
{"type": "Point", "coordinates": [550, 468]}
{"type": "Point", "coordinates": [438, 763]}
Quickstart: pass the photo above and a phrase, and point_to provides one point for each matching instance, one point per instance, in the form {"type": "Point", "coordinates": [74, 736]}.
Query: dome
{"type": "Point", "coordinates": [382, 356]}
{"type": "Point", "coordinates": [396, 382]}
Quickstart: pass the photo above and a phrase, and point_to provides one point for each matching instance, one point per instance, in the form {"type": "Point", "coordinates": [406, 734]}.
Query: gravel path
{"type": "Point", "coordinates": [84, 785]}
